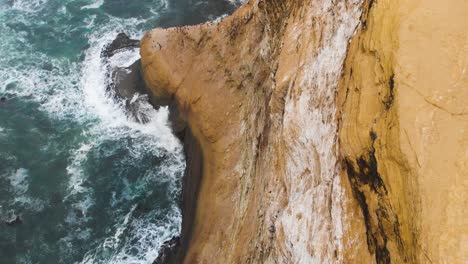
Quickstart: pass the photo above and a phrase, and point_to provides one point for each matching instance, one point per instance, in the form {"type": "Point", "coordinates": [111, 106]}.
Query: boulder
{"type": "Point", "coordinates": [127, 86]}
{"type": "Point", "coordinates": [121, 42]}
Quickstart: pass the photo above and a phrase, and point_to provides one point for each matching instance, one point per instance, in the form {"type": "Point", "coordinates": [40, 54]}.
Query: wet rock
{"type": "Point", "coordinates": [121, 42]}
{"type": "Point", "coordinates": [126, 83]}
{"type": "Point", "coordinates": [47, 66]}
{"type": "Point", "coordinates": [168, 250]}
{"type": "Point", "coordinates": [128, 87]}
{"type": "Point", "coordinates": [14, 220]}
{"type": "Point", "coordinates": [178, 124]}
{"type": "Point", "coordinates": [3, 101]}
{"type": "Point", "coordinates": [142, 209]}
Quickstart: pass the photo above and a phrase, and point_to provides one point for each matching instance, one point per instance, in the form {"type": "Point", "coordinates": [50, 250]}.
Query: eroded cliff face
{"type": "Point", "coordinates": [321, 132]}
{"type": "Point", "coordinates": [403, 129]}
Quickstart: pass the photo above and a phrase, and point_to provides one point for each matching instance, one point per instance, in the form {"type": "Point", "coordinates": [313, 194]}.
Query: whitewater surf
{"type": "Point", "coordinates": [89, 182]}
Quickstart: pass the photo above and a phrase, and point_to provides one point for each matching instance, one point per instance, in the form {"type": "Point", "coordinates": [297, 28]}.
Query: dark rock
{"type": "Point", "coordinates": [272, 229]}
{"type": "Point", "coordinates": [178, 124]}
{"type": "Point", "coordinates": [391, 92]}
{"type": "Point", "coordinates": [121, 42]}
{"type": "Point", "coordinates": [175, 250]}
{"type": "Point", "coordinates": [167, 250]}
{"type": "Point", "coordinates": [128, 81]}
{"type": "Point", "coordinates": [3, 101]}
{"type": "Point", "coordinates": [129, 87]}
{"type": "Point", "coordinates": [14, 220]}
{"type": "Point", "coordinates": [47, 66]}
{"type": "Point", "coordinates": [142, 208]}
{"type": "Point", "coordinates": [78, 212]}
{"type": "Point", "coordinates": [367, 185]}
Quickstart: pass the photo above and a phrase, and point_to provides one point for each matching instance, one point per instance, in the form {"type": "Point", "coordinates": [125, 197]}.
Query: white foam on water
{"type": "Point", "coordinates": [29, 6]}
{"type": "Point", "coordinates": [19, 185]}
{"type": "Point", "coordinates": [149, 238]}
{"type": "Point", "coordinates": [153, 137]}
{"type": "Point", "coordinates": [218, 19]}
{"type": "Point", "coordinates": [89, 21]}
{"type": "Point", "coordinates": [77, 91]}
{"type": "Point", "coordinates": [95, 81]}
{"type": "Point", "coordinates": [143, 243]}
{"type": "Point", "coordinates": [53, 90]}
{"type": "Point", "coordinates": [124, 58]}
{"type": "Point", "coordinates": [80, 195]}
{"type": "Point", "coordinates": [74, 169]}
{"type": "Point", "coordinates": [94, 5]}
{"type": "Point", "coordinates": [238, 2]}
{"type": "Point", "coordinates": [19, 181]}
{"type": "Point", "coordinates": [30, 204]}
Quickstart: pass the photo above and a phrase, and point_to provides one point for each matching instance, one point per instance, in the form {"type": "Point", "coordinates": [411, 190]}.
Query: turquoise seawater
{"type": "Point", "coordinates": [90, 184]}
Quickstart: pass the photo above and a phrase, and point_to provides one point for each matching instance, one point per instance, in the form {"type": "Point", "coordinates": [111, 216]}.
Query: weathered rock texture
{"type": "Point", "coordinates": [331, 131]}
{"type": "Point", "coordinates": [404, 119]}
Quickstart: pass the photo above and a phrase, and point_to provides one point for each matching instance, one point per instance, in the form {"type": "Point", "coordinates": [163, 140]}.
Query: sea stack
{"type": "Point", "coordinates": [330, 131]}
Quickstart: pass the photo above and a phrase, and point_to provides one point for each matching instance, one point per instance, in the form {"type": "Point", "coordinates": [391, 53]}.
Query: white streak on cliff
{"type": "Point", "coordinates": [313, 220]}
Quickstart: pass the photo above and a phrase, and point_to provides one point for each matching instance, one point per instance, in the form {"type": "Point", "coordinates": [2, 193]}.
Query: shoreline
{"type": "Point", "coordinates": [314, 150]}
{"type": "Point", "coordinates": [173, 251]}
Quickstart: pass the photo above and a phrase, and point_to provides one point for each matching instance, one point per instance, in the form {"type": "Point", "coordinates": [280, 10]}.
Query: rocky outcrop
{"type": "Point", "coordinates": [121, 42]}
{"type": "Point", "coordinates": [126, 85]}
{"type": "Point", "coordinates": [323, 139]}
{"type": "Point", "coordinates": [128, 88]}
{"type": "Point", "coordinates": [257, 93]}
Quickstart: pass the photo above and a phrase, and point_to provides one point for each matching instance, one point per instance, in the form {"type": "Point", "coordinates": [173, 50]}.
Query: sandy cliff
{"type": "Point", "coordinates": [331, 131]}
{"type": "Point", "coordinates": [403, 105]}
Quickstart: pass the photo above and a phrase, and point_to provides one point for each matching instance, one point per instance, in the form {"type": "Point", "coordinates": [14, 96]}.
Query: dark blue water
{"type": "Point", "coordinates": [90, 184]}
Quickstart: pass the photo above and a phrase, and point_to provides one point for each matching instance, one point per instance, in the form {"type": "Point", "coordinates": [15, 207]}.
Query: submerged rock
{"type": "Point", "coordinates": [3, 101]}
{"type": "Point", "coordinates": [121, 42]}
{"type": "Point", "coordinates": [14, 220]}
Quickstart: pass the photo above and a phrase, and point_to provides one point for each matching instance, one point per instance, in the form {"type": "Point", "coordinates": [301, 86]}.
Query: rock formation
{"type": "Point", "coordinates": [127, 86]}
{"type": "Point", "coordinates": [331, 131]}
{"type": "Point", "coordinates": [121, 42]}
{"type": "Point", "coordinates": [403, 108]}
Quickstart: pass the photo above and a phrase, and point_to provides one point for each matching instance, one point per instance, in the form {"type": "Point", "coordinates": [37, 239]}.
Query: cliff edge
{"type": "Point", "coordinates": [331, 131]}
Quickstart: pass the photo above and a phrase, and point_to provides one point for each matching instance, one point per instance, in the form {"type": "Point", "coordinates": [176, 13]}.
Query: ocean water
{"type": "Point", "coordinates": [90, 184]}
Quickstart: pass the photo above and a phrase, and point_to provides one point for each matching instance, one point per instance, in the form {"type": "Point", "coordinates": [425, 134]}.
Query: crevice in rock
{"type": "Point", "coordinates": [366, 12]}
{"type": "Point", "coordinates": [429, 101]}
{"type": "Point", "coordinates": [391, 96]}
{"type": "Point", "coordinates": [382, 225]}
